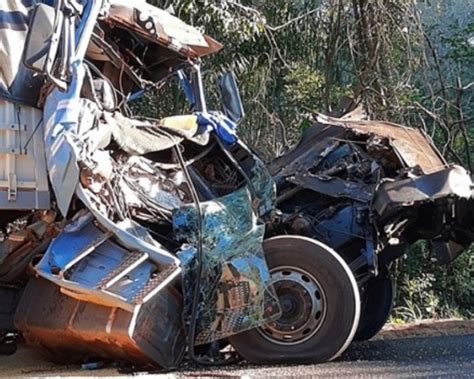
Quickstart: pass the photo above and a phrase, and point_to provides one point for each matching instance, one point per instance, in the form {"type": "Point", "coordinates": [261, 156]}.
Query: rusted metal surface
{"type": "Point", "coordinates": [412, 145]}
{"type": "Point", "coordinates": [160, 27]}
{"type": "Point", "coordinates": [68, 330]}
{"type": "Point", "coordinates": [25, 240]}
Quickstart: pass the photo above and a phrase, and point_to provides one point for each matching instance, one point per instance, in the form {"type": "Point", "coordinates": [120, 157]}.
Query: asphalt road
{"type": "Point", "coordinates": [412, 357]}
{"type": "Point", "coordinates": [419, 357]}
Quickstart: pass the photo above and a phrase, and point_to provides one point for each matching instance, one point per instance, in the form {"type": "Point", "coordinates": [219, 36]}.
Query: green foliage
{"type": "Point", "coordinates": [460, 50]}
{"type": "Point", "coordinates": [427, 290]}
{"type": "Point", "coordinates": [303, 87]}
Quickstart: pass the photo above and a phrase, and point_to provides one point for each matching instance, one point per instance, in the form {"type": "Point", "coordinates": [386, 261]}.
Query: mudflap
{"type": "Point", "coordinates": [68, 331]}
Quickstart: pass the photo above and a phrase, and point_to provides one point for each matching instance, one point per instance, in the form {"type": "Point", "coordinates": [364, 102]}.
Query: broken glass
{"type": "Point", "coordinates": [235, 294]}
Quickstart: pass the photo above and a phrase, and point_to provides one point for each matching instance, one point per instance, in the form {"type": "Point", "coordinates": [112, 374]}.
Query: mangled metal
{"type": "Point", "coordinates": [147, 240]}
{"type": "Point", "coordinates": [369, 189]}
{"type": "Point", "coordinates": [234, 264]}
{"type": "Point", "coordinates": [411, 146]}
{"type": "Point", "coordinates": [452, 181]}
{"type": "Point", "coordinates": [162, 28]}
{"type": "Point", "coordinates": [22, 244]}
{"type": "Point", "coordinates": [125, 189]}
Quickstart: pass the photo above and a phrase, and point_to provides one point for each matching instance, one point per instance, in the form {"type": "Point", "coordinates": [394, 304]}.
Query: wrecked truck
{"type": "Point", "coordinates": [142, 240]}
{"type": "Point", "coordinates": [135, 239]}
{"type": "Point", "coordinates": [365, 190]}
{"type": "Point", "coordinates": [369, 190]}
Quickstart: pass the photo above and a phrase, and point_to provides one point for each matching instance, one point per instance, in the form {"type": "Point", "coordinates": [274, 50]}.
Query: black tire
{"type": "Point", "coordinates": [377, 304]}
{"type": "Point", "coordinates": [8, 345]}
{"type": "Point", "coordinates": [338, 305]}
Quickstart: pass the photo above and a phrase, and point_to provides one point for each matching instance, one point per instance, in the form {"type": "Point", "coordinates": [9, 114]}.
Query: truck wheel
{"type": "Point", "coordinates": [320, 305]}
{"type": "Point", "coordinates": [377, 304]}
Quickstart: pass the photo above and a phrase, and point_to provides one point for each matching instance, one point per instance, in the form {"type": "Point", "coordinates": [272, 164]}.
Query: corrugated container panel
{"type": "Point", "coordinates": [23, 173]}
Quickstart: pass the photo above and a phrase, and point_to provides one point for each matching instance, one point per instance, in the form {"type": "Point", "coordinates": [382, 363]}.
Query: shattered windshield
{"type": "Point", "coordinates": [235, 295]}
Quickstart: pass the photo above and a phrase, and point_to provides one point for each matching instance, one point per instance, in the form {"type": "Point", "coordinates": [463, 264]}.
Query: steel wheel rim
{"type": "Point", "coordinates": [303, 303]}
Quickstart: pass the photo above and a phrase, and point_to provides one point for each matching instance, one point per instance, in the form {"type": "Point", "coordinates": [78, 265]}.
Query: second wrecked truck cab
{"type": "Point", "coordinates": [371, 189]}
{"type": "Point", "coordinates": [140, 202]}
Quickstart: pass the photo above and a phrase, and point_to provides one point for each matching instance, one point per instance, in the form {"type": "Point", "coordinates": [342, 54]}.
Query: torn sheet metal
{"type": "Point", "coordinates": [315, 144]}
{"type": "Point", "coordinates": [235, 292]}
{"type": "Point", "coordinates": [389, 182]}
{"type": "Point", "coordinates": [79, 165]}
{"type": "Point", "coordinates": [103, 287]}
{"type": "Point", "coordinates": [140, 45]}
{"type": "Point", "coordinates": [453, 181]}
{"type": "Point", "coordinates": [334, 168]}
{"type": "Point", "coordinates": [68, 330]}
{"type": "Point", "coordinates": [394, 144]}
{"type": "Point", "coordinates": [62, 116]}
{"type": "Point", "coordinates": [71, 139]}
{"type": "Point", "coordinates": [411, 144]}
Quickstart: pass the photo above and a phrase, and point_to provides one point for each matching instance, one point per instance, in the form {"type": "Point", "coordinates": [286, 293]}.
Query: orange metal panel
{"type": "Point", "coordinates": [69, 331]}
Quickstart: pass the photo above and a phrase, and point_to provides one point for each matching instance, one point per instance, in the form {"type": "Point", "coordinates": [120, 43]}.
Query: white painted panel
{"type": "Point", "coordinates": [22, 157]}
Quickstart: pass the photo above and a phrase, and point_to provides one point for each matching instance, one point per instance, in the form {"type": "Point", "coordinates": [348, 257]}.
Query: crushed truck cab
{"type": "Point", "coordinates": [370, 189]}
{"type": "Point", "coordinates": [133, 248]}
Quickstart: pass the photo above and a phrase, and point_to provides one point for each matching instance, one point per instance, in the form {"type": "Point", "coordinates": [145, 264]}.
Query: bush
{"type": "Point", "coordinates": [428, 290]}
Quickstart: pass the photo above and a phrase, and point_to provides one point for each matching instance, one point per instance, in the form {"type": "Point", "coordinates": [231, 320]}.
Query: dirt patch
{"type": "Point", "coordinates": [427, 328]}
{"type": "Point", "coordinates": [26, 363]}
